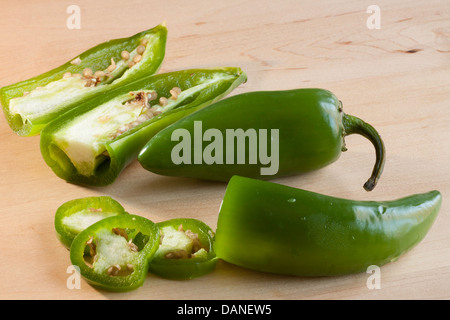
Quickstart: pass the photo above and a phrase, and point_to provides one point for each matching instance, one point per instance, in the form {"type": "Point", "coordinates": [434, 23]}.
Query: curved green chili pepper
{"type": "Point", "coordinates": [119, 250]}
{"type": "Point", "coordinates": [279, 229]}
{"type": "Point", "coordinates": [185, 250]}
{"type": "Point", "coordinates": [31, 104]}
{"type": "Point", "coordinates": [93, 143]}
{"type": "Point", "coordinates": [74, 216]}
{"type": "Point", "coordinates": [260, 135]}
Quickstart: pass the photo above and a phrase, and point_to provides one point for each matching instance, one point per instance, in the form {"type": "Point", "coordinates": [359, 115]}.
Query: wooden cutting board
{"type": "Point", "coordinates": [396, 77]}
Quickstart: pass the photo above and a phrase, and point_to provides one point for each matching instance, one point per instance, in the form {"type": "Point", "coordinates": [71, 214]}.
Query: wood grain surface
{"type": "Point", "coordinates": [396, 77]}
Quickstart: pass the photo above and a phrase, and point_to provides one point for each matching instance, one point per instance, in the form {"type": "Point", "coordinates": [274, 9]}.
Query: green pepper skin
{"type": "Point", "coordinates": [274, 228]}
{"type": "Point", "coordinates": [96, 58]}
{"type": "Point", "coordinates": [91, 208]}
{"type": "Point", "coordinates": [126, 147]}
{"type": "Point", "coordinates": [143, 257]}
{"type": "Point", "coordinates": [311, 128]}
{"type": "Point", "coordinates": [183, 269]}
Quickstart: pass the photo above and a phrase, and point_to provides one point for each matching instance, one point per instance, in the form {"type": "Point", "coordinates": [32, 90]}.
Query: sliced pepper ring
{"type": "Point", "coordinates": [185, 250]}
{"type": "Point", "coordinates": [120, 249]}
{"type": "Point", "coordinates": [74, 216]}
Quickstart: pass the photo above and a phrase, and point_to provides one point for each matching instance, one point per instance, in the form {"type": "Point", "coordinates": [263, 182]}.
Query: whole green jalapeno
{"type": "Point", "coordinates": [262, 135]}
{"type": "Point", "coordinates": [31, 104]}
{"type": "Point", "coordinates": [279, 229]}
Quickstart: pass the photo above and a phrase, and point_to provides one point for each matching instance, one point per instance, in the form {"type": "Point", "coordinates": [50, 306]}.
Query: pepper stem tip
{"type": "Point", "coordinates": [354, 125]}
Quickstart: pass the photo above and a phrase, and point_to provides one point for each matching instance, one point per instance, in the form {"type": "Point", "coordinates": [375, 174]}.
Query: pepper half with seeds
{"type": "Point", "coordinates": [268, 134]}
{"type": "Point", "coordinates": [93, 143]}
{"type": "Point", "coordinates": [31, 104]}
{"type": "Point", "coordinates": [74, 216]}
{"type": "Point", "coordinates": [185, 250]}
{"type": "Point", "coordinates": [115, 253]}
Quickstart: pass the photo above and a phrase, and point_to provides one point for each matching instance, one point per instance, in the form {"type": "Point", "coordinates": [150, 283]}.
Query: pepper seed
{"type": "Point", "coordinates": [113, 270]}
{"type": "Point", "coordinates": [87, 72]}
{"type": "Point", "coordinates": [152, 96]}
{"type": "Point", "coordinates": [140, 49]}
{"type": "Point", "coordinates": [132, 246]}
{"type": "Point", "coordinates": [163, 101]}
{"type": "Point", "coordinates": [120, 232]}
{"type": "Point", "coordinates": [112, 67]}
{"type": "Point", "coordinates": [99, 74]}
{"type": "Point", "coordinates": [125, 55]}
{"type": "Point", "coordinates": [76, 61]}
{"type": "Point", "coordinates": [144, 41]}
{"type": "Point", "coordinates": [137, 58]}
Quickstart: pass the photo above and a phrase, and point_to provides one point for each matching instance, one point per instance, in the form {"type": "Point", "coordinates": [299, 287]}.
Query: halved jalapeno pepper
{"type": "Point", "coordinates": [264, 134]}
{"type": "Point", "coordinates": [114, 253]}
{"type": "Point", "coordinates": [93, 143]}
{"type": "Point", "coordinates": [279, 229]}
{"type": "Point", "coordinates": [74, 216]}
{"type": "Point", "coordinates": [31, 104]}
{"type": "Point", "coordinates": [185, 250]}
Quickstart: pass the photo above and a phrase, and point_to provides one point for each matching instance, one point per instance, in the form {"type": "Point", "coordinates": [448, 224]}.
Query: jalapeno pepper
{"type": "Point", "coordinates": [93, 143]}
{"type": "Point", "coordinates": [279, 229]}
{"type": "Point", "coordinates": [259, 135]}
{"type": "Point", "coordinates": [185, 250]}
{"type": "Point", "coordinates": [74, 216]}
{"type": "Point", "coordinates": [31, 104]}
{"type": "Point", "coordinates": [114, 253]}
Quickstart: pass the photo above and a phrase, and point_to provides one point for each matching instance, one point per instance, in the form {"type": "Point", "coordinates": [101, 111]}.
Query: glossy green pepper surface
{"type": "Point", "coordinates": [308, 127]}
{"type": "Point", "coordinates": [31, 104]}
{"type": "Point", "coordinates": [114, 253]}
{"type": "Point", "coordinates": [274, 228]}
{"type": "Point", "coordinates": [185, 251]}
{"type": "Point", "coordinates": [93, 143]}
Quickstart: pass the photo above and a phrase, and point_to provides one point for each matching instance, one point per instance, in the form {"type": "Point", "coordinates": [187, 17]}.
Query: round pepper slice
{"type": "Point", "coordinates": [76, 215]}
{"type": "Point", "coordinates": [275, 228]}
{"type": "Point", "coordinates": [185, 250]}
{"type": "Point", "coordinates": [114, 253]}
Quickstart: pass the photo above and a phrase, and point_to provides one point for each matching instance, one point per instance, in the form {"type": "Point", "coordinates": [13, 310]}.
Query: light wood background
{"type": "Point", "coordinates": [397, 78]}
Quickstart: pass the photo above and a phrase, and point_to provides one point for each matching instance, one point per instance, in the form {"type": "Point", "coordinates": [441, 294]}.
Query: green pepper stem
{"type": "Point", "coordinates": [354, 125]}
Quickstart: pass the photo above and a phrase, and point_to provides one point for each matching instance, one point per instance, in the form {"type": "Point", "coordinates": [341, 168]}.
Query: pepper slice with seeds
{"type": "Point", "coordinates": [185, 250]}
{"type": "Point", "coordinates": [115, 253]}
{"type": "Point", "coordinates": [93, 143]}
{"type": "Point", "coordinates": [31, 104]}
{"type": "Point", "coordinates": [74, 216]}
